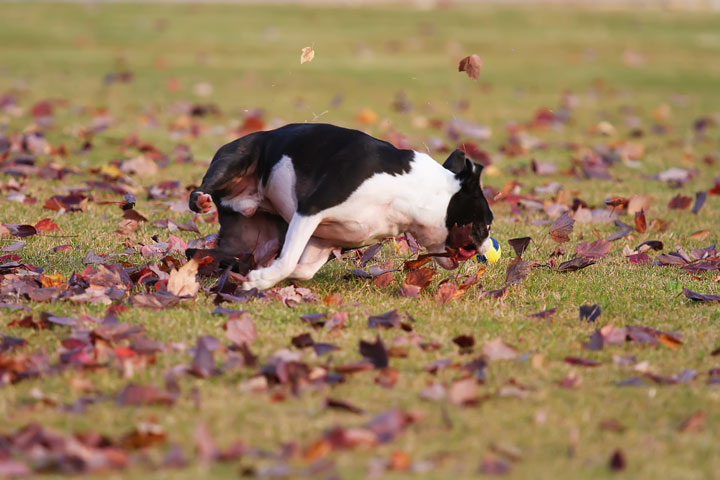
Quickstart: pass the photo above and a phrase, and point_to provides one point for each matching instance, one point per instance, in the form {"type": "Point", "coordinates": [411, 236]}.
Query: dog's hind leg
{"type": "Point", "coordinates": [298, 235]}
{"type": "Point", "coordinates": [316, 254]}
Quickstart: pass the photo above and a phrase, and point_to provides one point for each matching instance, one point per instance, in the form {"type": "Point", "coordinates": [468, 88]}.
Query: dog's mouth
{"type": "Point", "coordinates": [463, 253]}
{"type": "Point", "coordinates": [466, 241]}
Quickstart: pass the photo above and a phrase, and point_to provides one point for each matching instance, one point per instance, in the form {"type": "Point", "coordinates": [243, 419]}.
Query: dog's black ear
{"type": "Point", "coordinates": [456, 161]}
{"type": "Point", "coordinates": [235, 159]}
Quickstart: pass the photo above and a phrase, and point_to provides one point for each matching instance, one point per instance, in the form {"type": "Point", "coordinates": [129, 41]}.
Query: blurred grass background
{"type": "Point", "coordinates": [242, 58]}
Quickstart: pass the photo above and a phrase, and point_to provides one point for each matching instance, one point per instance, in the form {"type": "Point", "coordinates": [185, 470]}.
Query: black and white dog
{"type": "Point", "coordinates": [317, 187]}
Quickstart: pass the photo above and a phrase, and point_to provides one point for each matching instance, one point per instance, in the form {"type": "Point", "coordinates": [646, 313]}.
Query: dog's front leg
{"type": "Point", "coordinates": [299, 232]}
{"type": "Point", "coordinates": [316, 254]}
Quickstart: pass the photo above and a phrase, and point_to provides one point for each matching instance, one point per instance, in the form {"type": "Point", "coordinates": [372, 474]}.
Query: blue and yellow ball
{"type": "Point", "coordinates": [492, 255]}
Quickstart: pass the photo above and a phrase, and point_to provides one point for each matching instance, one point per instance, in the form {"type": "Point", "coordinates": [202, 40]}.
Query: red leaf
{"type": "Point", "coordinates": [47, 225]}
{"type": "Point", "coordinates": [680, 202]}
{"type": "Point", "coordinates": [640, 224]}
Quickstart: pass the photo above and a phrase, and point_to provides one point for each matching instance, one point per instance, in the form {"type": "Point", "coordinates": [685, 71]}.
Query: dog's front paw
{"type": "Point", "coordinates": [200, 202]}
{"type": "Point", "coordinates": [260, 279]}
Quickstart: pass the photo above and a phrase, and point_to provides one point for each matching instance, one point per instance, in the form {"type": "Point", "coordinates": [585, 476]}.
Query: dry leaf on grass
{"type": "Point", "coordinates": [183, 282]}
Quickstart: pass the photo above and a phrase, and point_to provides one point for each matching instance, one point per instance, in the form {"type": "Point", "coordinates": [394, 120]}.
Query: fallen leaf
{"type": "Point", "coordinates": [463, 392]}
{"type": "Point", "coordinates": [577, 263]}
{"type": "Point", "coordinates": [182, 282]}
{"type": "Point", "coordinates": [138, 395]}
{"type": "Point", "coordinates": [617, 461]}
{"type": "Point", "coordinates": [545, 314]}
{"type": "Point", "coordinates": [581, 362]}
{"type": "Point", "coordinates": [47, 225]}
{"type": "Point", "coordinates": [595, 250]}
{"type": "Point", "coordinates": [640, 223]}
{"type": "Point", "coordinates": [471, 66]}
{"type": "Point", "coordinates": [669, 341]}
{"type": "Point", "coordinates": [421, 277]}
{"type": "Point", "coordinates": [519, 244]}
{"type": "Point", "coordinates": [700, 198]}
{"type": "Point", "coordinates": [518, 269]}
{"type": "Point", "coordinates": [679, 202]}
{"type": "Point", "coordinates": [375, 352]}
{"type": "Point", "coordinates": [241, 329]}
{"type": "Point", "coordinates": [700, 235]}
{"type": "Point", "coordinates": [561, 228]}
{"type": "Point", "coordinates": [496, 349]}
{"type": "Point", "coordinates": [700, 297]}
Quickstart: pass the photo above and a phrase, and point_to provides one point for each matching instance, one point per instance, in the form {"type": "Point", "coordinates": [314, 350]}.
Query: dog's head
{"type": "Point", "coordinates": [468, 208]}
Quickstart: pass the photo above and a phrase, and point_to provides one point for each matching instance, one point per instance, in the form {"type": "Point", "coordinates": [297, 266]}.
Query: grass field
{"type": "Point", "coordinates": [632, 83]}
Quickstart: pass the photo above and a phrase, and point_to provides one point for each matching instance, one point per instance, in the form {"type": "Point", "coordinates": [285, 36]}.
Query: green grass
{"type": "Point", "coordinates": [531, 55]}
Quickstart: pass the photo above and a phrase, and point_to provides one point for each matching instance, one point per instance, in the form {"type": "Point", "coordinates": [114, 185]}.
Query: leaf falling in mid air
{"type": "Point", "coordinates": [307, 55]}
{"type": "Point", "coordinates": [471, 66]}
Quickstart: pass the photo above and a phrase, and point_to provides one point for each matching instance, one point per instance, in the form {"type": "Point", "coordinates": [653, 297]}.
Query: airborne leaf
{"type": "Point", "coordinates": [471, 65]}
{"type": "Point", "coordinates": [307, 55]}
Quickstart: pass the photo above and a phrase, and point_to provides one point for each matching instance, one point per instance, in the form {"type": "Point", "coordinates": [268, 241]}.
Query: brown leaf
{"type": "Point", "coordinates": [410, 265]}
{"type": "Point", "coordinates": [519, 244]}
{"type": "Point", "coordinates": [375, 352]}
{"type": "Point", "coordinates": [389, 319]}
{"type": "Point", "coordinates": [700, 297]}
{"type": "Point", "coordinates": [307, 55]}
{"type": "Point", "coordinates": [338, 404]}
{"type": "Point", "coordinates": [183, 282]}
{"type": "Point", "coordinates": [617, 461]}
{"type": "Point", "coordinates": [138, 395]}
{"type": "Point", "coordinates": [545, 314]}
{"type": "Point", "coordinates": [680, 202]}
{"type": "Point", "coordinates": [471, 65]}
{"type": "Point", "coordinates": [576, 263]}
{"type": "Point", "coordinates": [518, 270]}
{"type": "Point", "coordinates": [581, 362]}
{"type": "Point", "coordinates": [446, 292]}
{"type": "Point", "coordinates": [241, 329]}
{"type": "Point", "coordinates": [464, 391]}
{"type": "Point", "coordinates": [639, 203]}
{"type": "Point", "coordinates": [23, 231]}
{"type": "Point", "coordinates": [700, 235]}
{"type": "Point", "coordinates": [640, 224]}
{"type": "Point", "coordinates": [422, 277]}
{"type": "Point", "coordinates": [134, 215]}
{"type": "Point", "coordinates": [695, 423]}
{"type": "Point", "coordinates": [496, 349]}
{"type": "Point", "coordinates": [669, 341]}
{"type": "Point", "coordinates": [561, 228]}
